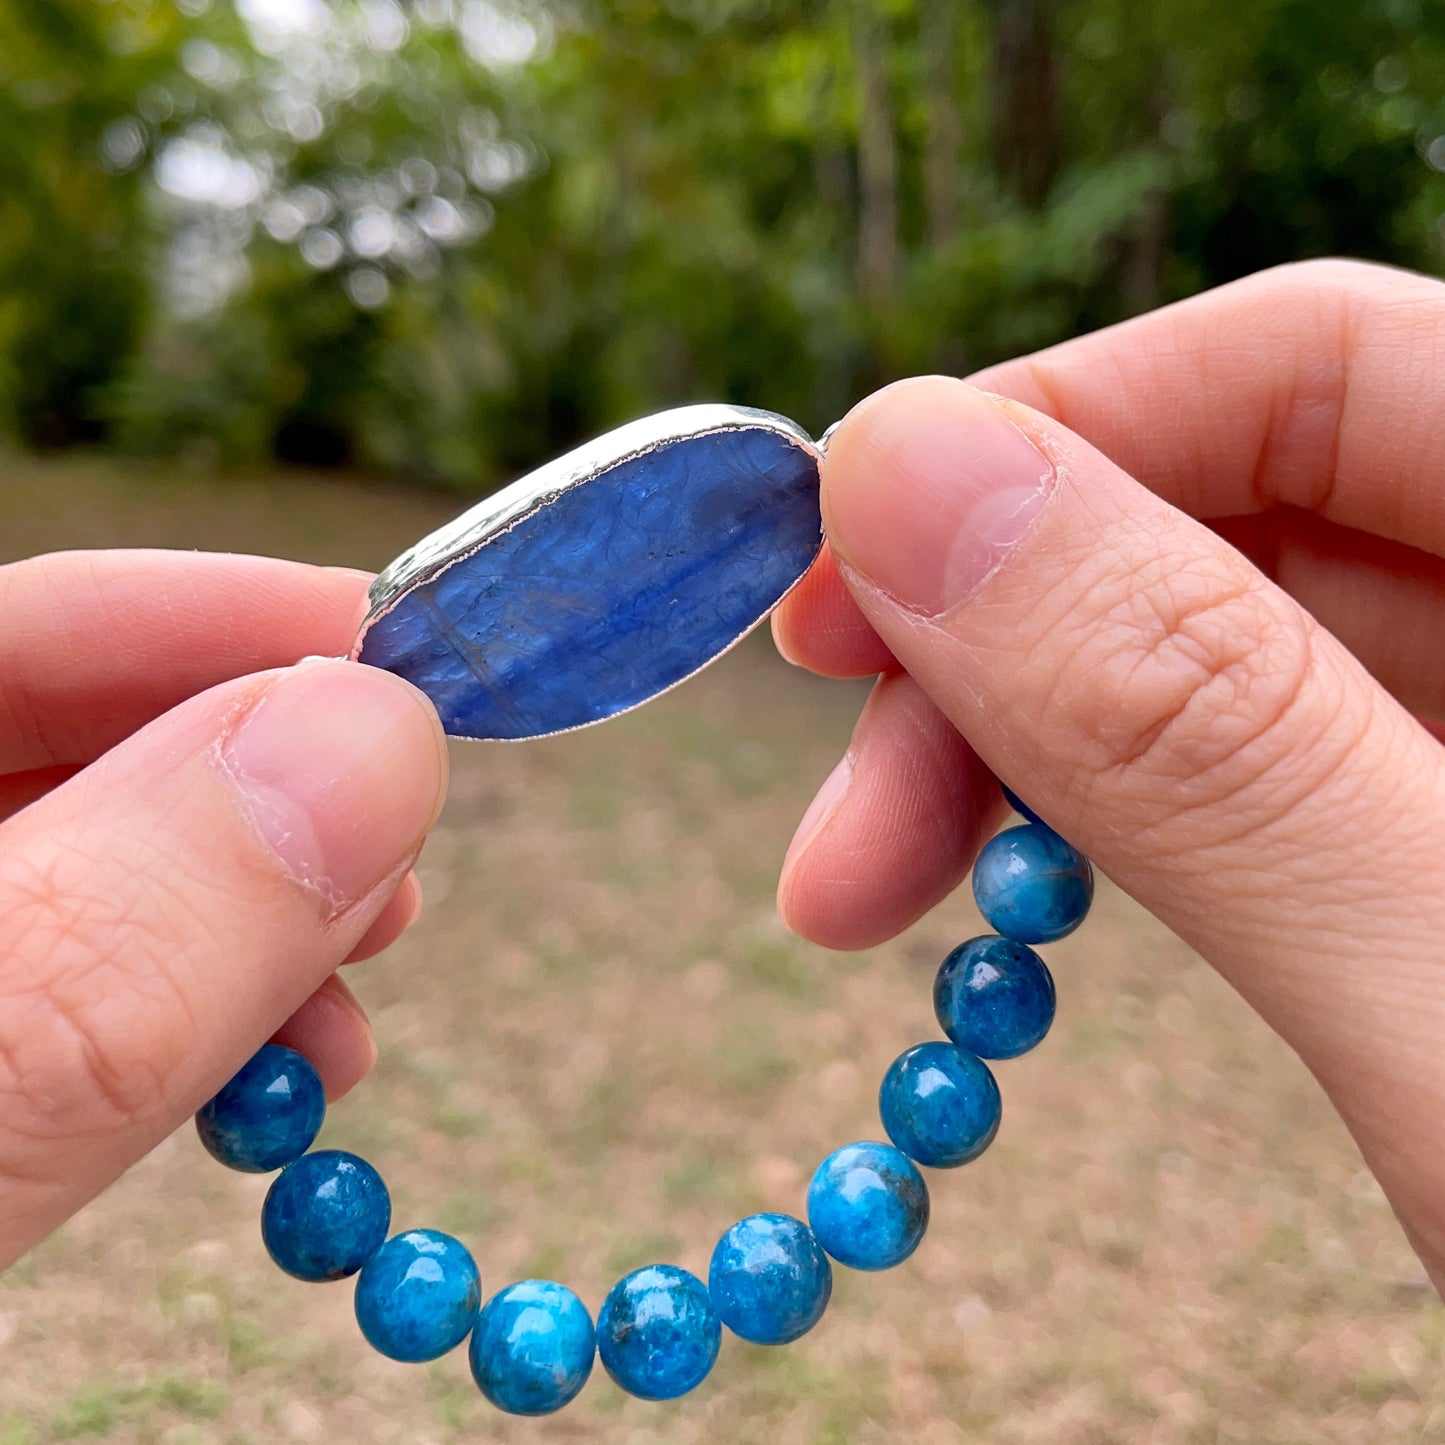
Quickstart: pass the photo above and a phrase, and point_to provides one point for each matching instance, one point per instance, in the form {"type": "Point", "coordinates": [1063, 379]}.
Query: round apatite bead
{"type": "Point", "coordinates": [532, 1349]}
{"type": "Point", "coordinates": [994, 997]}
{"type": "Point", "coordinates": [417, 1296]}
{"type": "Point", "coordinates": [267, 1115]}
{"type": "Point", "coordinates": [1019, 806]}
{"type": "Point", "coordinates": [1031, 885]}
{"type": "Point", "coordinates": [940, 1105]}
{"type": "Point", "coordinates": [325, 1215]}
{"type": "Point", "coordinates": [770, 1279]}
{"type": "Point", "coordinates": [868, 1205]}
{"type": "Point", "coordinates": [657, 1332]}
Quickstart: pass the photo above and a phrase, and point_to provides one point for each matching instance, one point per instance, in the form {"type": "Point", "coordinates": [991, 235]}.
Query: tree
{"type": "Point", "coordinates": [448, 238]}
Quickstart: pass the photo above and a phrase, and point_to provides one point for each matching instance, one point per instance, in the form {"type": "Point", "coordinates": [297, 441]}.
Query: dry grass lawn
{"type": "Point", "coordinates": [599, 1047]}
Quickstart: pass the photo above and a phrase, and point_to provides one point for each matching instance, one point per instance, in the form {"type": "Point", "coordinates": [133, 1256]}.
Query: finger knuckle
{"type": "Point", "coordinates": [1185, 673]}
{"type": "Point", "coordinates": [93, 1027]}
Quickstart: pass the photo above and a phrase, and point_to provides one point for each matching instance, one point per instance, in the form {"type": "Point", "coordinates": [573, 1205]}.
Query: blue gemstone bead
{"type": "Point", "coordinates": [325, 1215]}
{"type": "Point", "coordinates": [611, 590]}
{"type": "Point", "coordinates": [1019, 806]}
{"type": "Point", "coordinates": [532, 1349]}
{"type": "Point", "coordinates": [868, 1206]}
{"type": "Point", "coordinates": [267, 1115]}
{"type": "Point", "coordinates": [417, 1296]}
{"type": "Point", "coordinates": [770, 1279]}
{"type": "Point", "coordinates": [940, 1105]}
{"type": "Point", "coordinates": [994, 997]}
{"type": "Point", "coordinates": [657, 1332]}
{"type": "Point", "coordinates": [1031, 885]}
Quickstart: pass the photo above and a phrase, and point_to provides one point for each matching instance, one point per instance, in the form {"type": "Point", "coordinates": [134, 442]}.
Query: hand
{"type": "Point", "coordinates": [180, 874]}
{"type": "Point", "coordinates": [1223, 713]}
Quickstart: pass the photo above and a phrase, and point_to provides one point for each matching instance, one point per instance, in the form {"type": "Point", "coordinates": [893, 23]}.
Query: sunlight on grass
{"type": "Point", "coordinates": [599, 1048]}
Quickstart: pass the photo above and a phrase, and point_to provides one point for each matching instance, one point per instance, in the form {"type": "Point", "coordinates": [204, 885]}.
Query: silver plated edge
{"type": "Point", "coordinates": [464, 535]}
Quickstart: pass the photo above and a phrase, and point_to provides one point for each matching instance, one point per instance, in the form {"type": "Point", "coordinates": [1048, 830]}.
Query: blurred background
{"type": "Point", "coordinates": [282, 275]}
{"type": "Point", "coordinates": [438, 239]}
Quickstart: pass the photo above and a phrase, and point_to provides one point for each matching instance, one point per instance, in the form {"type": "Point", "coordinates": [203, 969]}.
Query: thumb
{"type": "Point", "coordinates": [1181, 719]}
{"type": "Point", "coordinates": [166, 910]}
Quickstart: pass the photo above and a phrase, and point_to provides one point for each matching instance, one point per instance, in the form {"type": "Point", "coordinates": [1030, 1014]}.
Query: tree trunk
{"type": "Point", "coordinates": [943, 143]}
{"type": "Point", "coordinates": [1026, 140]}
{"type": "Point", "coordinates": [877, 154]}
{"type": "Point", "coordinates": [1142, 284]}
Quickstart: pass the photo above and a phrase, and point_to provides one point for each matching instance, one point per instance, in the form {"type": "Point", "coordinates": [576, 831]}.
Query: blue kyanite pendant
{"type": "Point", "coordinates": [603, 578]}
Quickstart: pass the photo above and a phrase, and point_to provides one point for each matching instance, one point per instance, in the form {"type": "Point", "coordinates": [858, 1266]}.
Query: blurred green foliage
{"type": "Point", "coordinates": [444, 238]}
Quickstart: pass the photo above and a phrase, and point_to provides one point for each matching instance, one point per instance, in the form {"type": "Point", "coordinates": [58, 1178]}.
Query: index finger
{"type": "Point", "coordinates": [1314, 386]}
{"type": "Point", "coordinates": [97, 644]}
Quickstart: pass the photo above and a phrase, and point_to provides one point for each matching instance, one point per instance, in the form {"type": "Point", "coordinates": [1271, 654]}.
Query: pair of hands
{"type": "Point", "coordinates": [1218, 680]}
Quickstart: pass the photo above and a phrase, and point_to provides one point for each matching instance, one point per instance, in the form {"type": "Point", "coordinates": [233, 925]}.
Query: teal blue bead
{"type": "Point", "coordinates": [994, 997]}
{"type": "Point", "coordinates": [532, 1348]}
{"type": "Point", "coordinates": [325, 1215]}
{"type": "Point", "coordinates": [267, 1115]}
{"type": "Point", "coordinates": [1019, 806]}
{"type": "Point", "coordinates": [658, 1333]}
{"type": "Point", "coordinates": [770, 1279]}
{"type": "Point", "coordinates": [417, 1297]}
{"type": "Point", "coordinates": [940, 1105]}
{"type": "Point", "coordinates": [868, 1205]}
{"type": "Point", "coordinates": [1031, 885]}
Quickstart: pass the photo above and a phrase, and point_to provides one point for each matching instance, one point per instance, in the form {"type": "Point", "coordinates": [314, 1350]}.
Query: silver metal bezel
{"type": "Point", "coordinates": [473, 529]}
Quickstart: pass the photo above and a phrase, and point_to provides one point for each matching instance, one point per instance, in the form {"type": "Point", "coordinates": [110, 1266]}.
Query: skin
{"type": "Point", "coordinates": [1214, 659]}
{"type": "Point", "coordinates": [161, 913]}
{"type": "Point", "coordinates": [1223, 680]}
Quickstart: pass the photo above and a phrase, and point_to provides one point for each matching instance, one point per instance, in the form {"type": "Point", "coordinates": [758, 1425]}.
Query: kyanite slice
{"type": "Point", "coordinates": [605, 577]}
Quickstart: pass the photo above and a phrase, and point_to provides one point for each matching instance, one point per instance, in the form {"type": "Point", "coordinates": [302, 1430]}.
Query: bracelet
{"type": "Point", "coordinates": [577, 593]}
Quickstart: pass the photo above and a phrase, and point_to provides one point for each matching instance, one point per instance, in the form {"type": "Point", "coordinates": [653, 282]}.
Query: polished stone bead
{"type": "Point", "coordinates": [609, 590]}
{"type": "Point", "coordinates": [940, 1105]}
{"type": "Point", "coordinates": [868, 1205]}
{"type": "Point", "coordinates": [325, 1215]}
{"type": "Point", "coordinates": [417, 1296]}
{"type": "Point", "coordinates": [267, 1115]}
{"type": "Point", "coordinates": [657, 1332]}
{"type": "Point", "coordinates": [532, 1349]}
{"type": "Point", "coordinates": [994, 997]}
{"type": "Point", "coordinates": [1019, 806]}
{"type": "Point", "coordinates": [1031, 885]}
{"type": "Point", "coordinates": [770, 1279]}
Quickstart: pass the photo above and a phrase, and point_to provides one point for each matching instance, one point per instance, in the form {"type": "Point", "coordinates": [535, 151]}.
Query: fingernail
{"type": "Point", "coordinates": [927, 487]}
{"type": "Point", "coordinates": [342, 769]}
{"type": "Point", "coordinates": [823, 806]}
{"type": "Point", "coordinates": [346, 1002]}
{"type": "Point", "coordinates": [412, 884]}
{"type": "Point", "coordinates": [780, 641]}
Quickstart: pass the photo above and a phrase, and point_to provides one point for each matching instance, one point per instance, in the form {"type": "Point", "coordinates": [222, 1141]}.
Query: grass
{"type": "Point", "coordinates": [599, 1047]}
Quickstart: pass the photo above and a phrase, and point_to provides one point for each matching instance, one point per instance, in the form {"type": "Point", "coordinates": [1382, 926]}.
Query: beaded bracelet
{"type": "Point", "coordinates": [573, 595]}
{"type": "Point", "coordinates": [658, 1331]}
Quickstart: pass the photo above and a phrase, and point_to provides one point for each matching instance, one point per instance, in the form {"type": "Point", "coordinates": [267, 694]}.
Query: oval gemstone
{"type": "Point", "coordinates": [657, 1332]}
{"type": "Point", "coordinates": [267, 1115]}
{"type": "Point", "coordinates": [868, 1205]}
{"type": "Point", "coordinates": [940, 1105]}
{"type": "Point", "coordinates": [417, 1296]}
{"type": "Point", "coordinates": [994, 997]}
{"type": "Point", "coordinates": [532, 1348]}
{"type": "Point", "coordinates": [770, 1279]}
{"type": "Point", "coordinates": [604, 578]}
{"type": "Point", "coordinates": [325, 1215]}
